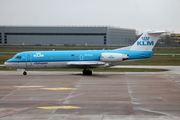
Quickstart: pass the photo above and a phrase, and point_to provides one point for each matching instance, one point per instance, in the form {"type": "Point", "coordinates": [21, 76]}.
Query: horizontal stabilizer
{"type": "Point", "coordinates": [156, 32]}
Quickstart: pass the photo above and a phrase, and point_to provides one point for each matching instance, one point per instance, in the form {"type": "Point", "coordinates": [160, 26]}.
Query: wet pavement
{"type": "Point", "coordinates": [102, 96]}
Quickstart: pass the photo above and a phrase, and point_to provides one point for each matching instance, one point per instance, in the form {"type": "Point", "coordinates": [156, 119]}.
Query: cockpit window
{"type": "Point", "coordinates": [18, 57]}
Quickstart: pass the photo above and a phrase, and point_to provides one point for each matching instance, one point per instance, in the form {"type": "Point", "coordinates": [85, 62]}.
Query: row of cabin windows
{"type": "Point", "coordinates": [62, 57]}
{"type": "Point", "coordinates": [58, 57]}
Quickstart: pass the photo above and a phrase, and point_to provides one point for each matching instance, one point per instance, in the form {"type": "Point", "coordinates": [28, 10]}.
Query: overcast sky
{"type": "Point", "coordinates": [137, 14]}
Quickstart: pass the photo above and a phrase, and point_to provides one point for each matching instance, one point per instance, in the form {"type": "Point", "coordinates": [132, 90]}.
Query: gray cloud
{"type": "Point", "coordinates": [137, 14]}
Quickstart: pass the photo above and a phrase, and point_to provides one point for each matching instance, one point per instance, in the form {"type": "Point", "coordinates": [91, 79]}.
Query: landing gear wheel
{"type": "Point", "coordinates": [87, 72]}
{"type": "Point", "coordinates": [24, 73]}
{"type": "Point", "coordinates": [84, 72]}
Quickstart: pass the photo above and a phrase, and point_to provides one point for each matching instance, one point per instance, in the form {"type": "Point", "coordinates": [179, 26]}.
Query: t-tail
{"type": "Point", "coordinates": [147, 41]}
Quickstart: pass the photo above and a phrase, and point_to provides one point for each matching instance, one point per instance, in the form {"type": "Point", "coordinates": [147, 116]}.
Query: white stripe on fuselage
{"type": "Point", "coordinates": [47, 65]}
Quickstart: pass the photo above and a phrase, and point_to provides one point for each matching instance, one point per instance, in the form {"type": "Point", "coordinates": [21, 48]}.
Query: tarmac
{"type": "Point", "coordinates": [46, 95]}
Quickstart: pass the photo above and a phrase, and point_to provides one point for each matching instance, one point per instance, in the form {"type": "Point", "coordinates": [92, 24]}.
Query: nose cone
{"type": "Point", "coordinates": [11, 64]}
{"type": "Point", "coordinates": [6, 64]}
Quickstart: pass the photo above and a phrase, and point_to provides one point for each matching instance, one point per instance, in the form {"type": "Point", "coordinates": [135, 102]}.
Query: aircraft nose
{"type": "Point", "coordinates": [5, 64]}
{"type": "Point", "coordinates": [11, 64]}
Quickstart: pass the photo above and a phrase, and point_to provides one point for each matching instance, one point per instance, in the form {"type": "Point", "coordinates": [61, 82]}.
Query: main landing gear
{"type": "Point", "coordinates": [87, 72]}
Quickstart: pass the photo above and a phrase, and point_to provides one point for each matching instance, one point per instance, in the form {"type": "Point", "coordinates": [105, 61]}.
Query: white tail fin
{"type": "Point", "coordinates": [147, 41]}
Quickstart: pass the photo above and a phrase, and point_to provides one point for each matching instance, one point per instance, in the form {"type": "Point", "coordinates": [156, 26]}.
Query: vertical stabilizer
{"type": "Point", "coordinates": [147, 41]}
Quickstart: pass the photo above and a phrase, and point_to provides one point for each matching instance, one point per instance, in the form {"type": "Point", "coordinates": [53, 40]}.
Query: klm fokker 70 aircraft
{"type": "Point", "coordinates": [86, 59]}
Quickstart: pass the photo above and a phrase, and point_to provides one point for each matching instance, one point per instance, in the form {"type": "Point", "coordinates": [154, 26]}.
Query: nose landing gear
{"type": "Point", "coordinates": [22, 70]}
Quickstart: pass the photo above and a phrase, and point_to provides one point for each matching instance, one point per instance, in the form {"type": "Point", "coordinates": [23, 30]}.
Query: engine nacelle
{"type": "Point", "coordinates": [113, 57]}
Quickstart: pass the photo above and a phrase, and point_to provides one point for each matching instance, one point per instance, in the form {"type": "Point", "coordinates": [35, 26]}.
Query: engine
{"type": "Point", "coordinates": [113, 57]}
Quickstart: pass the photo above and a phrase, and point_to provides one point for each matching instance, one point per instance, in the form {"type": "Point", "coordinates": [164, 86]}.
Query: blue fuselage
{"type": "Point", "coordinates": [39, 59]}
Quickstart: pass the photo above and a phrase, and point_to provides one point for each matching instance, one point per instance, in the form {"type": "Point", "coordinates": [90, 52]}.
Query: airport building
{"type": "Point", "coordinates": [175, 37]}
{"type": "Point", "coordinates": [66, 35]}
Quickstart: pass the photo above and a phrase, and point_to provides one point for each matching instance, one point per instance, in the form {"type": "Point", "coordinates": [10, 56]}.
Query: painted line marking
{"type": "Point", "coordinates": [57, 107]}
{"type": "Point", "coordinates": [35, 105]}
{"type": "Point", "coordinates": [57, 88]}
{"type": "Point", "coordinates": [28, 86]}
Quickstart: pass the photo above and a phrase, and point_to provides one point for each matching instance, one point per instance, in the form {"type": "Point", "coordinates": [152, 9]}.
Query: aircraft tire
{"type": "Point", "coordinates": [84, 72]}
{"type": "Point", "coordinates": [89, 72]}
{"type": "Point", "coordinates": [24, 73]}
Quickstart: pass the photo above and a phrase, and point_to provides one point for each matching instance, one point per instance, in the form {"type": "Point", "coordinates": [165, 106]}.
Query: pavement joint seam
{"type": "Point", "coordinates": [72, 90]}
{"type": "Point", "coordinates": [125, 76]}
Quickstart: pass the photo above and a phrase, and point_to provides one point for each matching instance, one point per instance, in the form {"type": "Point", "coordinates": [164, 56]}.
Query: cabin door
{"type": "Point", "coordinates": [28, 60]}
{"type": "Point", "coordinates": [81, 57]}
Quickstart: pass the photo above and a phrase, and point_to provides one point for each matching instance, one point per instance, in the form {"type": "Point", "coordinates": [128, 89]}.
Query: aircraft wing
{"type": "Point", "coordinates": [86, 63]}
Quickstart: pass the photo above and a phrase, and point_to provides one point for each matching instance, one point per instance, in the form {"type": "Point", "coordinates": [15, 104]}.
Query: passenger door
{"type": "Point", "coordinates": [81, 57]}
{"type": "Point", "coordinates": [28, 60]}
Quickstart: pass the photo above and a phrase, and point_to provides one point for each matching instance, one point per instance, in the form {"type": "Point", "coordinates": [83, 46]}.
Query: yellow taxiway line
{"type": "Point", "coordinates": [57, 88]}
{"type": "Point", "coordinates": [58, 107]}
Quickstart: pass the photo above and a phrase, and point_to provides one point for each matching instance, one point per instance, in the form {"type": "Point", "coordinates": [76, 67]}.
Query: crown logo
{"type": "Point", "coordinates": [111, 57]}
{"type": "Point", "coordinates": [145, 38]}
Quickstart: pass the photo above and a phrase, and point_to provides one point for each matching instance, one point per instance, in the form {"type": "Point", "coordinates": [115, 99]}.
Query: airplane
{"type": "Point", "coordinates": [86, 59]}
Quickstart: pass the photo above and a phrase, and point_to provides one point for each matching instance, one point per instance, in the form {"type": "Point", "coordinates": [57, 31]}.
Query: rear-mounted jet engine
{"type": "Point", "coordinates": [113, 57]}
